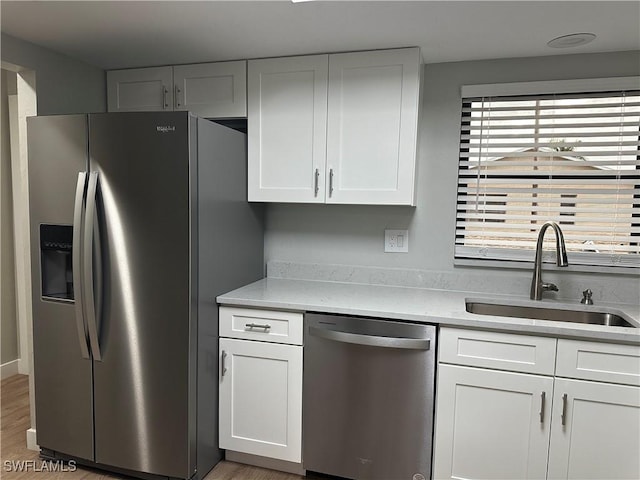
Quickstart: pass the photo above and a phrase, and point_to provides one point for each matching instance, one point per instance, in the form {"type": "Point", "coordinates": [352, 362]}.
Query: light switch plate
{"type": "Point", "coordinates": [396, 241]}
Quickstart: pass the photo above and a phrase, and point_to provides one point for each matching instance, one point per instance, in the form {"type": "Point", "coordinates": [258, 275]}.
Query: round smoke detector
{"type": "Point", "coordinates": [572, 40]}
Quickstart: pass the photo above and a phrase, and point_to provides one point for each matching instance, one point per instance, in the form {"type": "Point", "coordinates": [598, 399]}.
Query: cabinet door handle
{"type": "Point", "coordinates": [315, 184]}
{"type": "Point", "coordinates": [165, 102]}
{"type": "Point", "coordinates": [331, 182]}
{"type": "Point", "coordinates": [542, 402]}
{"type": "Point", "coordinates": [564, 410]}
{"type": "Point", "coordinates": [176, 94]}
{"type": "Point", "coordinates": [251, 326]}
{"type": "Point", "coordinates": [223, 368]}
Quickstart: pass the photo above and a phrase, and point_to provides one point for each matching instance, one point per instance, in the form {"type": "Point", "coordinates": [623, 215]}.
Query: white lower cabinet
{"type": "Point", "coordinates": [491, 424]}
{"type": "Point", "coordinates": [261, 395]}
{"type": "Point", "coordinates": [595, 432]}
{"type": "Point", "coordinates": [497, 424]}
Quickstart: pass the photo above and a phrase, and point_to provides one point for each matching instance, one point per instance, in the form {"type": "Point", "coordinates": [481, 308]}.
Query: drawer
{"type": "Point", "coordinates": [502, 351]}
{"type": "Point", "coordinates": [604, 362]}
{"type": "Point", "coordinates": [265, 325]}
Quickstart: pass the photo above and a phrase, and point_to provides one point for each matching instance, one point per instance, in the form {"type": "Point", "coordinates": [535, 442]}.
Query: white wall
{"type": "Point", "coordinates": [8, 318]}
{"type": "Point", "coordinates": [63, 85]}
{"type": "Point", "coordinates": [353, 235]}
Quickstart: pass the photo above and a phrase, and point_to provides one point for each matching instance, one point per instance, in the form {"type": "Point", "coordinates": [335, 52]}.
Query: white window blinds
{"type": "Point", "coordinates": [571, 158]}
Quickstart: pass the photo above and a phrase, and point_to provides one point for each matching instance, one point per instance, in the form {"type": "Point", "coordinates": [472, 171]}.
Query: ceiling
{"type": "Point", "coordinates": [135, 34]}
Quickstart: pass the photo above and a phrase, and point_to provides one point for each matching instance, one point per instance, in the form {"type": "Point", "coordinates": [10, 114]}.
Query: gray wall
{"type": "Point", "coordinates": [8, 321]}
{"type": "Point", "coordinates": [63, 85]}
{"type": "Point", "coordinates": [353, 235]}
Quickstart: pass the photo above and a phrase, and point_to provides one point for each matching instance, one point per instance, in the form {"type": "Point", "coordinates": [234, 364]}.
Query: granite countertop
{"type": "Point", "coordinates": [442, 307]}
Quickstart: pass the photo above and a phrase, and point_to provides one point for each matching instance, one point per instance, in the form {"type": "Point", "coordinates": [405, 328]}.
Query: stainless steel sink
{"type": "Point", "coordinates": [547, 313]}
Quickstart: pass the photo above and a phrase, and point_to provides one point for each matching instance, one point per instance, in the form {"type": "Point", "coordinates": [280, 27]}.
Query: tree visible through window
{"type": "Point", "coordinates": [571, 158]}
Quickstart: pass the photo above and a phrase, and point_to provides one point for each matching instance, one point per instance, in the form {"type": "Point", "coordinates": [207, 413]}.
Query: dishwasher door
{"type": "Point", "coordinates": [368, 397]}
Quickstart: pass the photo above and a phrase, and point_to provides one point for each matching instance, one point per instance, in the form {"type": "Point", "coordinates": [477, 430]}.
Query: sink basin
{"type": "Point", "coordinates": [547, 313]}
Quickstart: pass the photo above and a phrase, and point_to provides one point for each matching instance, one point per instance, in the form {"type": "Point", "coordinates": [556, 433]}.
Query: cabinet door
{"type": "Point", "coordinates": [261, 399]}
{"type": "Point", "coordinates": [491, 424]}
{"type": "Point", "coordinates": [140, 90]}
{"type": "Point", "coordinates": [372, 126]}
{"type": "Point", "coordinates": [286, 121]}
{"type": "Point", "coordinates": [212, 90]}
{"type": "Point", "coordinates": [595, 432]}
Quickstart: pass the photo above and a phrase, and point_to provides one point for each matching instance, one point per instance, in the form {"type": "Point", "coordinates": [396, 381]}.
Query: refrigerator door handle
{"type": "Point", "coordinates": [90, 302]}
{"type": "Point", "coordinates": [76, 263]}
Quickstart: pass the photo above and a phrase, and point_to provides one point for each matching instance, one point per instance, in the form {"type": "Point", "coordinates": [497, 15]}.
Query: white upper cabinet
{"type": "Point", "coordinates": [372, 126]}
{"type": "Point", "coordinates": [140, 90]}
{"type": "Point", "coordinates": [211, 90]}
{"type": "Point", "coordinates": [287, 118]}
{"type": "Point", "coordinates": [336, 128]}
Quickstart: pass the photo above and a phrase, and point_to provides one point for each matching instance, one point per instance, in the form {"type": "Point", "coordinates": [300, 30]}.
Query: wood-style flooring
{"type": "Point", "coordinates": [14, 400]}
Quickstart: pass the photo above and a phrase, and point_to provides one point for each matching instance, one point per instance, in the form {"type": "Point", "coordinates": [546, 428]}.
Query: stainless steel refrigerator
{"type": "Point", "coordinates": [138, 221]}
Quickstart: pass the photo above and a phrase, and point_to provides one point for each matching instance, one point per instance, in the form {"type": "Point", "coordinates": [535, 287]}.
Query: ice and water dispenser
{"type": "Point", "coordinates": [56, 242]}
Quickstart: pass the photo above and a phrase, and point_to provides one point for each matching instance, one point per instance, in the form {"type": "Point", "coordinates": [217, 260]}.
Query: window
{"type": "Point", "coordinates": [573, 158]}
{"type": "Point", "coordinates": [568, 208]}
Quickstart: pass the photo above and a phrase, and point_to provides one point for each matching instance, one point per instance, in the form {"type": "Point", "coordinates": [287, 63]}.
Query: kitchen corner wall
{"type": "Point", "coordinates": [63, 85]}
{"type": "Point", "coordinates": [353, 235]}
{"type": "Point", "coordinates": [8, 320]}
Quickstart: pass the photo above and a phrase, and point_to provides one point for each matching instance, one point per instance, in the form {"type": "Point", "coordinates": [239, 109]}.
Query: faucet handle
{"type": "Point", "coordinates": [586, 297]}
{"type": "Point", "coordinates": [550, 286]}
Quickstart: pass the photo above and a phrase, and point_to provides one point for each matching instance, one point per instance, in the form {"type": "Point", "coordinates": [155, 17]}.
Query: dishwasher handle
{"type": "Point", "coordinates": [371, 340]}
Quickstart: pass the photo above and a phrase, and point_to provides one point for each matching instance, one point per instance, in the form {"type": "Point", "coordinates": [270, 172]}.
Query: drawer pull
{"type": "Point", "coordinates": [542, 401]}
{"type": "Point", "coordinates": [564, 410]}
{"type": "Point", "coordinates": [250, 326]}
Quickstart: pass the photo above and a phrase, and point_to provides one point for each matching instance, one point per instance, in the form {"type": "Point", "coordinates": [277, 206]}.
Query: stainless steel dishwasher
{"type": "Point", "coordinates": [368, 397]}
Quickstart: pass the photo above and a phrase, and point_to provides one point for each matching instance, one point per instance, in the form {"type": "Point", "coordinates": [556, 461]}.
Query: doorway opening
{"type": "Point", "coordinates": [18, 103]}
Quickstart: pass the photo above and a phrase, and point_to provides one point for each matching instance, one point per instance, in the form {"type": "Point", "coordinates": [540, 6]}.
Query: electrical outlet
{"type": "Point", "coordinates": [396, 241]}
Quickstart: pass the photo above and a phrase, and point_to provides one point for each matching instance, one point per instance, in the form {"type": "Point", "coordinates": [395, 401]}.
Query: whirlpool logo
{"type": "Point", "coordinates": [165, 128]}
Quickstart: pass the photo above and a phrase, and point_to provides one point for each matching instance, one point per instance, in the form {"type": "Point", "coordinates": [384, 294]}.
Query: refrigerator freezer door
{"type": "Point", "coordinates": [57, 153]}
{"type": "Point", "coordinates": [144, 384]}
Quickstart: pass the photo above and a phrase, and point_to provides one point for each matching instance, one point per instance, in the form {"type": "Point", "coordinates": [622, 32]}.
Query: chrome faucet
{"type": "Point", "coordinates": [537, 286]}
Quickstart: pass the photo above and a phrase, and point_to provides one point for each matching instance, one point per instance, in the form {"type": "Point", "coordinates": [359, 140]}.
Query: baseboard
{"type": "Point", "coordinates": [32, 443]}
{"type": "Point", "coordinates": [264, 462]}
{"type": "Point", "coordinates": [23, 367]}
{"type": "Point", "coordinates": [9, 369]}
